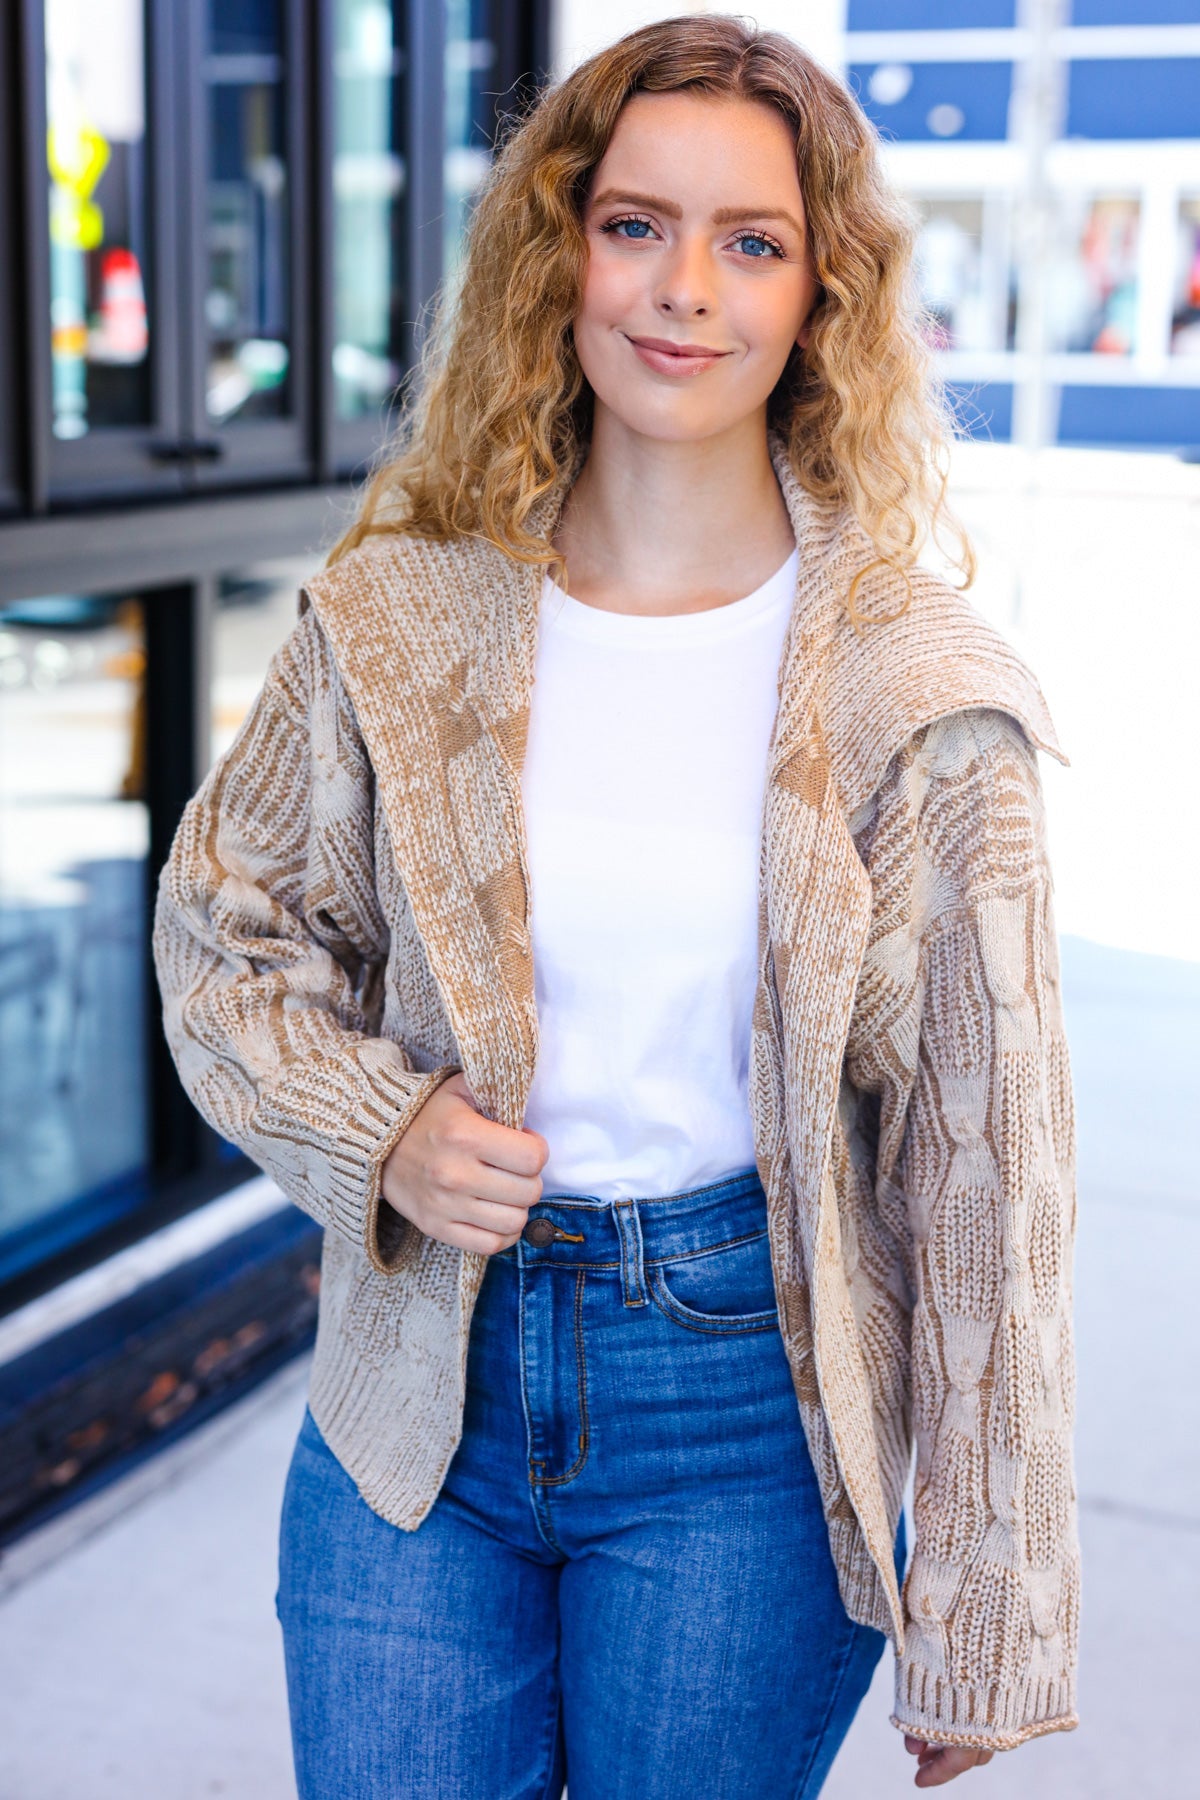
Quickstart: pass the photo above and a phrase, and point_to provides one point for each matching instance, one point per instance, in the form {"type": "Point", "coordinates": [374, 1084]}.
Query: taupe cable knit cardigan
{"type": "Point", "coordinates": [344, 920]}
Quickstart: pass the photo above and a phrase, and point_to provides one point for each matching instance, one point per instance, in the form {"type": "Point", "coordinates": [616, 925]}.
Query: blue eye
{"type": "Point", "coordinates": [760, 242]}
{"type": "Point", "coordinates": [643, 224]}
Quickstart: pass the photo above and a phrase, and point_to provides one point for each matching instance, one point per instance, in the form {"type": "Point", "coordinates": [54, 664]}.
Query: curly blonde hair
{"type": "Point", "coordinates": [498, 406]}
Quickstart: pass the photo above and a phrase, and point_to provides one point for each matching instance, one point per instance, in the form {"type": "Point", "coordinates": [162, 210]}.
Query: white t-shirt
{"type": "Point", "coordinates": [643, 788]}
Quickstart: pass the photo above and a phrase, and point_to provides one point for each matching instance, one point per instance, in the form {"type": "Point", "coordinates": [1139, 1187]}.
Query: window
{"type": "Point", "coordinates": [940, 102]}
{"type": "Point", "coordinates": [962, 262]}
{"type": "Point", "coordinates": [105, 313]}
{"type": "Point", "coordinates": [74, 830]}
{"type": "Point", "coordinates": [247, 311]}
{"type": "Point", "coordinates": [10, 496]}
{"type": "Point", "coordinates": [1185, 309]}
{"type": "Point", "coordinates": [928, 15]}
{"type": "Point", "coordinates": [471, 62]}
{"type": "Point", "coordinates": [98, 222]}
{"type": "Point", "coordinates": [370, 279]}
{"type": "Point", "coordinates": [1142, 97]}
{"type": "Point", "coordinates": [164, 256]}
{"type": "Point", "coordinates": [243, 81]}
{"type": "Point", "coordinates": [1092, 283]}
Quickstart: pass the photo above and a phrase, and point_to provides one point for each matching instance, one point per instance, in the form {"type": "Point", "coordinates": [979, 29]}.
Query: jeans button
{"type": "Point", "coordinates": [540, 1232]}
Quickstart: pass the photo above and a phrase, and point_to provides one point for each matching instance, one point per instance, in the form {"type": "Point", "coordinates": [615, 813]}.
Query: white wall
{"type": "Point", "coordinates": [579, 27]}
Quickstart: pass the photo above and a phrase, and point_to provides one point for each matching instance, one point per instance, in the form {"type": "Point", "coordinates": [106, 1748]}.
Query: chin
{"type": "Point", "coordinates": [674, 425]}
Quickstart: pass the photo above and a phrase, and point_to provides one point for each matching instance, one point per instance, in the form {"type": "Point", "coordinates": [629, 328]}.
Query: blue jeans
{"type": "Point", "coordinates": [625, 1582]}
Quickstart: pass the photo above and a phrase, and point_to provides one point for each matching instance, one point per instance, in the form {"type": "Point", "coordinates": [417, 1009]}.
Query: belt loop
{"type": "Point", "coordinates": [633, 1268]}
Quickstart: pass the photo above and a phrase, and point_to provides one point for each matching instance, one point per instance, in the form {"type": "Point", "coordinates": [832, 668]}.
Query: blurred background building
{"type": "Point", "coordinates": [220, 224]}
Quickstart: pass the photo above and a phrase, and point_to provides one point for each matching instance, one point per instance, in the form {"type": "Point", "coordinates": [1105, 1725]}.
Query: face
{"type": "Point", "coordinates": [699, 280]}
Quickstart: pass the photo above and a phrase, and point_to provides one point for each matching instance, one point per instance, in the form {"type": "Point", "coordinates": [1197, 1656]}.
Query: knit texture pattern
{"type": "Point", "coordinates": [344, 920]}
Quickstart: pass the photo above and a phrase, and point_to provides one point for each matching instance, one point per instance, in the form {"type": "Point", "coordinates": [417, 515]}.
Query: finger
{"type": "Point", "coordinates": [470, 1237]}
{"type": "Point", "coordinates": [947, 1761]}
{"type": "Point", "coordinates": [488, 1215]}
{"type": "Point", "coordinates": [460, 1186]}
{"type": "Point", "coordinates": [482, 1181]}
{"type": "Point", "coordinates": [520, 1152]}
{"type": "Point", "coordinates": [468, 1133]}
{"type": "Point", "coordinates": [540, 1141]}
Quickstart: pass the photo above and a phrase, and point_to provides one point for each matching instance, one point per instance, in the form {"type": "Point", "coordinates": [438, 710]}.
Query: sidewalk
{"type": "Point", "coordinates": [145, 1663]}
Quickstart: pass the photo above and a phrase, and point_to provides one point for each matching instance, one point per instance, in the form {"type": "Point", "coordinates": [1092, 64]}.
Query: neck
{"type": "Point", "coordinates": [658, 526]}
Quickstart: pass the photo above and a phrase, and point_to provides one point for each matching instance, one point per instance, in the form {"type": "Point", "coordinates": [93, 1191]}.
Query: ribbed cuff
{"type": "Point", "coordinates": [988, 1718]}
{"type": "Point", "coordinates": [325, 1133]}
{"type": "Point", "coordinates": [391, 1240]}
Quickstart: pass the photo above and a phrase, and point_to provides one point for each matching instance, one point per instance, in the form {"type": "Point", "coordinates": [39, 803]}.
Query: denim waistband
{"type": "Point", "coordinates": [631, 1234]}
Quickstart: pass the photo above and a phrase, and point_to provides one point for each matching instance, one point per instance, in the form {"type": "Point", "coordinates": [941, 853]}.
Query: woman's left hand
{"type": "Point", "coordinates": [942, 1762]}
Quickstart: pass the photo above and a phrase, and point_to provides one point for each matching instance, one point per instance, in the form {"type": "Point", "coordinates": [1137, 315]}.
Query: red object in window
{"type": "Point", "coordinates": [121, 334]}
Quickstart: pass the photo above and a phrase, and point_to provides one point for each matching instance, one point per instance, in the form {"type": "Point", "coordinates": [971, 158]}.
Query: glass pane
{"type": "Point", "coordinates": [963, 269]}
{"type": "Point", "coordinates": [255, 610]}
{"type": "Point", "coordinates": [249, 278]}
{"type": "Point", "coordinates": [1092, 288]}
{"type": "Point", "coordinates": [96, 157]}
{"type": "Point", "coordinates": [73, 925]}
{"type": "Point", "coordinates": [470, 93]}
{"type": "Point", "coordinates": [1185, 312]}
{"type": "Point", "coordinates": [368, 192]}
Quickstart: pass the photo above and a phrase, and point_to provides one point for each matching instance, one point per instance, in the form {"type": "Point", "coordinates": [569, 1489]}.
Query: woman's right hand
{"type": "Point", "coordinates": [463, 1178]}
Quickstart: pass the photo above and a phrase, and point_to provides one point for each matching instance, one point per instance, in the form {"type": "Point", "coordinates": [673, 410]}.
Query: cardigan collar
{"type": "Point", "coordinates": [846, 701]}
{"type": "Point", "coordinates": [436, 645]}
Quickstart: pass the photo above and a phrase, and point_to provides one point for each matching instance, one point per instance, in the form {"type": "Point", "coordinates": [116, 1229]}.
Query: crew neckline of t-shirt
{"type": "Point", "coordinates": [573, 617]}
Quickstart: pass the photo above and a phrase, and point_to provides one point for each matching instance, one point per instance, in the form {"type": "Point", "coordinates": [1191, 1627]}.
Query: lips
{"type": "Point", "coordinates": [678, 361]}
{"type": "Point", "coordinates": [667, 348]}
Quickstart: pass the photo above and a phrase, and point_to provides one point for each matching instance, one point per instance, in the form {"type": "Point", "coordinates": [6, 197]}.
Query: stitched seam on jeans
{"type": "Point", "coordinates": [630, 1233]}
{"type": "Point", "coordinates": [650, 1262]}
{"type": "Point", "coordinates": [581, 1389]}
{"type": "Point", "coordinates": [710, 1323]}
{"type": "Point", "coordinates": [747, 1237]}
{"type": "Point", "coordinates": [551, 1262]}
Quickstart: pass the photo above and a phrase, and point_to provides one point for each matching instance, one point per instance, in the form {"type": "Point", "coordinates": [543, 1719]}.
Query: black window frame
{"type": "Point", "coordinates": [179, 451]}
{"type": "Point", "coordinates": [111, 462]}
{"type": "Point", "coordinates": [252, 451]}
{"type": "Point", "coordinates": [346, 446]}
{"type": "Point", "coordinates": [11, 496]}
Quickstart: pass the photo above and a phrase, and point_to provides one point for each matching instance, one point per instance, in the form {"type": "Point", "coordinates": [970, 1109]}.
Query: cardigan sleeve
{"type": "Point", "coordinates": [977, 1145]}
{"type": "Point", "coordinates": [269, 946]}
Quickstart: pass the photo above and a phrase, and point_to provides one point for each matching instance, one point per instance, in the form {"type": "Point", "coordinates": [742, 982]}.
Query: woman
{"type": "Point", "coordinates": [664, 1209]}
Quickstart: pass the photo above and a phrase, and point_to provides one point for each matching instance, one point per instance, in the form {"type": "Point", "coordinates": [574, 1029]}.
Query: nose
{"type": "Point", "coordinates": [685, 286]}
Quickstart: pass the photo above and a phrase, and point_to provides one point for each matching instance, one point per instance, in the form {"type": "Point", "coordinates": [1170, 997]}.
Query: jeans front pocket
{"type": "Point", "coordinates": [726, 1289]}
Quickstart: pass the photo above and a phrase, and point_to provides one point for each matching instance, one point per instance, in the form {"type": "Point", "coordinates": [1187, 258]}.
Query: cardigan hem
{"type": "Point", "coordinates": [987, 1740]}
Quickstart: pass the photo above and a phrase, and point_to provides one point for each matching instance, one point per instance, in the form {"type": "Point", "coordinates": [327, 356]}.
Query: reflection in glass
{"type": "Point", "coordinates": [256, 608]}
{"type": "Point", "coordinates": [470, 91]}
{"type": "Point", "coordinates": [96, 157]}
{"type": "Point", "coordinates": [368, 191]}
{"type": "Point", "coordinates": [1092, 280]}
{"type": "Point", "coordinates": [247, 297]}
{"type": "Point", "coordinates": [963, 264]}
{"type": "Point", "coordinates": [73, 847]}
{"type": "Point", "coordinates": [1185, 310]}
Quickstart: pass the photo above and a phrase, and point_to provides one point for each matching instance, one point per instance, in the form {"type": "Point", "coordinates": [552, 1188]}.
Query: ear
{"type": "Point", "coordinates": [803, 335]}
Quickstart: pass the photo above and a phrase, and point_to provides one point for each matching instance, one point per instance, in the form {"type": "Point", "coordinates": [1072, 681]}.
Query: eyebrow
{"type": "Point", "coordinates": [724, 215]}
